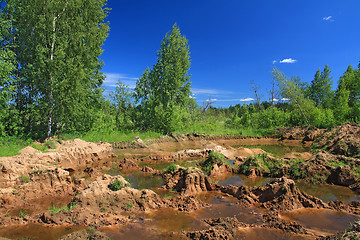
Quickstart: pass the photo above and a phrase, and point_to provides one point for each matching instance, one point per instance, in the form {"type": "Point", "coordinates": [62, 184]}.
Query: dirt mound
{"type": "Point", "coordinates": [127, 164]}
{"type": "Point", "coordinates": [28, 150]}
{"type": "Point", "coordinates": [84, 234]}
{"type": "Point", "coordinates": [187, 181]}
{"type": "Point", "coordinates": [220, 228]}
{"type": "Point", "coordinates": [303, 133]}
{"type": "Point", "coordinates": [279, 194]}
{"type": "Point", "coordinates": [52, 182]}
{"type": "Point", "coordinates": [341, 140]}
{"type": "Point", "coordinates": [112, 193]}
{"type": "Point", "coordinates": [272, 220]}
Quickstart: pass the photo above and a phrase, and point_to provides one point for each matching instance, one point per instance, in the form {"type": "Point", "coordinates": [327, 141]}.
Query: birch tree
{"type": "Point", "coordinates": [59, 47]}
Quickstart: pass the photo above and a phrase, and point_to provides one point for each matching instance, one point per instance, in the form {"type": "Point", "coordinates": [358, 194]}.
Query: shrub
{"type": "Point", "coordinates": [171, 168]}
{"type": "Point", "coordinates": [115, 186]}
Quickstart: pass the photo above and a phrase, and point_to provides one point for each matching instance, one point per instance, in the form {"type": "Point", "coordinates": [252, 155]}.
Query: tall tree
{"type": "Point", "coordinates": [292, 89]}
{"type": "Point", "coordinates": [59, 47]}
{"type": "Point", "coordinates": [164, 91]}
{"type": "Point", "coordinates": [7, 66]}
{"type": "Point", "coordinates": [320, 88]}
{"type": "Point", "coordinates": [351, 82]}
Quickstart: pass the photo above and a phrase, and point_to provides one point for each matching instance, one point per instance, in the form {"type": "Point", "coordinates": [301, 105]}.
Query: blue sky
{"type": "Point", "coordinates": [235, 41]}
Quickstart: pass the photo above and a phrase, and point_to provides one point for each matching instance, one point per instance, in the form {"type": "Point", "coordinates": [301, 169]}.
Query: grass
{"type": "Point", "coordinates": [171, 168]}
{"type": "Point", "coordinates": [116, 186]}
{"type": "Point", "coordinates": [212, 159]}
{"type": "Point", "coordinates": [111, 136]}
{"type": "Point", "coordinates": [23, 213]}
{"type": "Point", "coordinates": [10, 146]}
{"type": "Point", "coordinates": [68, 207]}
{"type": "Point", "coordinates": [25, 178]}
{"type": "Point", "coordinates": [219, 128]}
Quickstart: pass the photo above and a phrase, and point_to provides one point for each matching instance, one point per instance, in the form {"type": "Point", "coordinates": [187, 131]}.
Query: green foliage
{"type": "Point", "coordinates": [25, 178]}
{"type": "Point", "coordinates": [320, 89]}
{"type": "Point", "coordinates": [171, 168]}
{"type": "Point", "coordinates": [23, 213]}
{"type": "Point", "coordinates": [295, 169]}
{"type": "Point", "coordinates": [164, 92]}
{"type": "Point", "coordinates": [116, 185]}
{"type": "Point", "coordinates": [212, 159]}
{"type": "Point", "coordinates": [128, 206]}
{"type": "Point", "coordinates": [58, 63]}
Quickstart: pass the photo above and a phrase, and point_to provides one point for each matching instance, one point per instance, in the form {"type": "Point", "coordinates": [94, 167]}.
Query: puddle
{"type": "Point", "coordinates": [321, 220]}
{"type": "Point", "coordinates": [161, 165]}
{"type": "Point", "coordinates": [139, 180]}
{"type": "Point", "coordinates": [242, 180]}
{"type": "Point", "coordinates": [222, 205]}
{"type": "Point", "coordinates": [328, 193]}
{"type": "Point", "coordinates": [37, 231]}
{"type": "Point", "coordinates": [266, 234]}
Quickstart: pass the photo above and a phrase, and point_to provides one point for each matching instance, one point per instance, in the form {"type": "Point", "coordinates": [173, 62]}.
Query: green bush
{"type": "Point", "coordinates": [171, 168]}
{"type": "Point", "coordinates": [116, 186]}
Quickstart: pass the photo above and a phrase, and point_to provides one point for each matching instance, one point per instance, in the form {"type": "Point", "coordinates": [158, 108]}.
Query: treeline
{"type": "Point", "coordinates": [51, 82]}
{"type": "Point", "coordinates": [314, 104]}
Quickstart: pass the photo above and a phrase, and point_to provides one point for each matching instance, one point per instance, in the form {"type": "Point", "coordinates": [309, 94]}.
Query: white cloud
{"type": "Point", "coordinates": [111, 80]}
{"type": "Point", "coordinates": [328, 18]}
{"type": "Point", "coordinates": [288, 60]}
{"type": "Point", "coordinates": [285, 99]}
{"type": "Point", "coordinates": [197, 91]}
{"type": "Point", "coordinates": [228, 100]}
{"type": "Point", "coordinates": [274, 61]}
{"type": "Point", "coordinates": [246, 99]}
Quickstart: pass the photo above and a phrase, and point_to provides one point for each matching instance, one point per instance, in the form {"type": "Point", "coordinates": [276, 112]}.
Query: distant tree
{"type": "Point", "coordinates": [255, 88]}
{"type": "Point", "coordinates": [292, 89]}
{"type": "Point", "coordinates": [351, 82]}
{"type": "Point", "coordinates": [320, 88]}
{"type": "Point", "coordinates": [164, 91]}
{"type": "Point", "coordinates": [121, 100]}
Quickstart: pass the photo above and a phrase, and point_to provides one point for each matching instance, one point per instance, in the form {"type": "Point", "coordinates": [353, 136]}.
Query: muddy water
{"type": "Point", "coordinates": [139, 180]}
{"type": "Point", "coordinates": [266, 234]}
{"type": "Point", "coordinates": [37, 231]}
{"type": "Point", "coordinates": [161, 165]}
{"type": "Point", "coordinates": [321, 220]}
{"type": "Point", "coordinates": [328, 193]}
{"type": "Point", "coordinates": [241, 180]}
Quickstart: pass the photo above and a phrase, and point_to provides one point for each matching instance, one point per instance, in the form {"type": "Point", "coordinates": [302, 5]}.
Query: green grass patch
{"type": "Point", "coordinates": [171, 168]}
{"type": "Point", "coordinates": [25, 178]}
{"type": "Point", "coordinates": [111, 136]}
{"type": "Point", "coordinates": [55, 210]}
{"type": "Point", "coordinates": [211, 160]}
{"type": "Point", "coordinates": [116, 185]}
{"type": "Point", "coordinates": [23, 213]}
{"type": "Point", "coordinates": [10, 146]}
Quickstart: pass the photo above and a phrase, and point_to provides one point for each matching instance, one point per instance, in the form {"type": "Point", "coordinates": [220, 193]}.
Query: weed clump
{"type": "Point", "coordinates": [171, 168]}
{"type": "Point", "coordinates": [212, 159]}
{"type": "Point", "coordinates": [116, 185]}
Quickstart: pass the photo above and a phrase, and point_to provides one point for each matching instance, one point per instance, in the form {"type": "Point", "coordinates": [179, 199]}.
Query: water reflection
{"type": "Point", "coordinates": [37, 231]}
{"type": "Point", "coordinates": [242, 180]}
{"type": "Point", "coordinates": [321, 220]}
{"type": "Point", "coordinates": [328, 193]}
